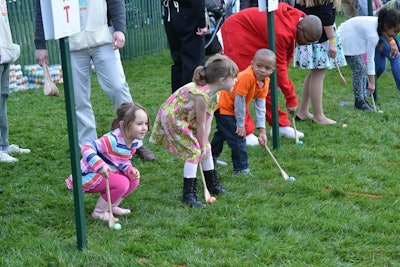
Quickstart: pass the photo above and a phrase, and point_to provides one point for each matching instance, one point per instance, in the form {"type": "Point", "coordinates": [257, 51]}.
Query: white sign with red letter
{"type": "Point", "coordinates": [272, 5]}
{"type": "Point", "coordinates": [60, 18]}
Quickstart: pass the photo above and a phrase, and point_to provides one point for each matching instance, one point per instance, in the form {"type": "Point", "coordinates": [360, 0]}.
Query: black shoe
{"type": "Point", "coordinates": [369, 104]}
{"type": "Point", "coordinates": [1, 191]}
{"type": "Point", "coordinates": [189, 196]}
{"type": "Point", "coordinates": [213, 184]}
{"type": "Point", "coordinates": [363, 105]}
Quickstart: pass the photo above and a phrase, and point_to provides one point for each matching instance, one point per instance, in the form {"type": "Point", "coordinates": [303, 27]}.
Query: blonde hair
{"type": "Point", "coordinates": [216, 67]}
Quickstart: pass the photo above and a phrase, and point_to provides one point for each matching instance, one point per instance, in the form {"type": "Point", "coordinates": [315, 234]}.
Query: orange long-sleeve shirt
{"type": "Point", "coordinates": [246, 85]}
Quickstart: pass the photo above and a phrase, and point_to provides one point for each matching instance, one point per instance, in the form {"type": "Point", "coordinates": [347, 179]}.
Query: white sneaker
{"type": "Point", "coordinates": [221, 163]}
{"type": "Point", "coordinates": [245, 172]}
{"type": "Point", "coordinates": [251, 140]}
{"type": "Point", "coordinates": [17, 149]}
{"type": "Point", "coordinates": [4, 157]}
{"type": "Point", "coordinates": [288, 132]}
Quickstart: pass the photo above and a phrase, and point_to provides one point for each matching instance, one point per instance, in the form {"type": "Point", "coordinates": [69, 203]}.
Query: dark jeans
{"type": "Point", "coordinates": [226, 131]}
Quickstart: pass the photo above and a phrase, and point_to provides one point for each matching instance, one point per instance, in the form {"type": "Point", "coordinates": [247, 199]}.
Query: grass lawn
{"type": "Point", "coordinates": [266, 221]}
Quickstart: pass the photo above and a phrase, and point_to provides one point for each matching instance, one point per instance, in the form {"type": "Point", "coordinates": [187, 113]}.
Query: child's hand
{"type": "Point", "coordinates": [201, 31]}
{"type": "Point", "coordinates": [262, 139]}
{"type": "Point", "coordinates": [292, 110]}
{"type": "Point", "coordinates": [204, 154]}
{"type": "Point", "coordinates": [241, 131]}
{"type": "Point", "coordinates": [394, 50]}
{"type": "Point", "coordinates": [104, 171]}
{"type": "Point", "coordinates": [371, 90]}
{"type": "Point", "coordinates": [134, 174]}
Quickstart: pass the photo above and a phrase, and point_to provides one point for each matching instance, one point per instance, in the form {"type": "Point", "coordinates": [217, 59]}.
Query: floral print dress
{"type": "Point", "coordinates": [175, 126]}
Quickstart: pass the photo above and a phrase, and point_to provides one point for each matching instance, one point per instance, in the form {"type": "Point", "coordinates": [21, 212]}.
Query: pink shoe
{"type": "Point", "coordinates": [120, 211]}
{"type": "Point", "coordinates": [101, 210]}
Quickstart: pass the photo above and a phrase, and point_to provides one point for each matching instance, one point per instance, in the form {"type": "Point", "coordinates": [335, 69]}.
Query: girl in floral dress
{"type": "Point", "coordinates": [183, 124]}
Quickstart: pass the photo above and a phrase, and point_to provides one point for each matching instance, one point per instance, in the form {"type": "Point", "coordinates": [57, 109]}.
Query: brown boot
{"type": "Point", "coordinates": [145, 153]}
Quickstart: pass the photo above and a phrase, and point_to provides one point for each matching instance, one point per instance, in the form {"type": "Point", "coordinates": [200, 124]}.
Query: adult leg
{"type": "Point", "coordinates": [304, 109]}
{"type": "Point", "coordinates": [110, 74]}
{"type": "Point", "coordinates": [174, 47]}
{"type": "Point", "coordinates": [4, 86]}
{"type": "Point", "coordinates": [316, 83]}
{"type": "Point", "coordinates": [4, 83]}
{"type": "Point", "coordinates": [81, 74]}
{"type": "Point", "coordinates": [187, 48]}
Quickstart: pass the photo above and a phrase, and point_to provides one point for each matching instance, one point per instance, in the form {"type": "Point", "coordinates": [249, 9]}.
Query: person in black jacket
{"type": "Point", "coordinates": [185, 26]}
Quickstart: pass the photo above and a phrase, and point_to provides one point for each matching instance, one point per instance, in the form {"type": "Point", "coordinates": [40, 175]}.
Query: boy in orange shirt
{"type": "Point", "coordinates": [252, 83]}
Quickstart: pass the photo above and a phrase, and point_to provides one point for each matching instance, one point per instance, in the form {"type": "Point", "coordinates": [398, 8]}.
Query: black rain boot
{"type": "Point", "coordinates": [363, 105]}
{"type": "Point", "coordinates": [369, 104]}
{"type": "Point", "coordinates": [213, 184]}
{"type": "Point", "coordinates": [189, 193]}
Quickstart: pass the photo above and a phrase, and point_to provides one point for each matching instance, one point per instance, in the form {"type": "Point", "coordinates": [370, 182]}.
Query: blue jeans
{"type": "Point", "coordinates": [226, 130]}
{"type": "Point", "coordinates": [382, 52]}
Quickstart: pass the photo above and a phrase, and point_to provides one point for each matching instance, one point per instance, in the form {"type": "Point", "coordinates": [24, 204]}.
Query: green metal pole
{"type": "Point", "coordinates": [273, 83]}
{"type": "Point", "coordinates": [370, 9]}
{"type": "Point", "coordinates": [73, 143]}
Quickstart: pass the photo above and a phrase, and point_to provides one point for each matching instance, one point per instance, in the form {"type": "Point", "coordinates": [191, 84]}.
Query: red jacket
{"type": "Point", "coordinates": [245, 32]}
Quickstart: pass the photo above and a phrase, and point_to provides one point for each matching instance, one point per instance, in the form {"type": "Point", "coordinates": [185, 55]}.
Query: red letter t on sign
{"type": "Point", "coordinates": [66, 8]}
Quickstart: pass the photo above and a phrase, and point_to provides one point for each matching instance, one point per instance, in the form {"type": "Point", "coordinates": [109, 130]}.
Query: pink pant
{"type": "Point", "coordinates": [120, 187]}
